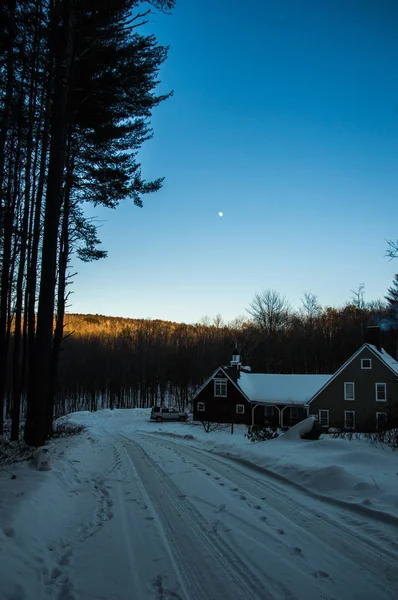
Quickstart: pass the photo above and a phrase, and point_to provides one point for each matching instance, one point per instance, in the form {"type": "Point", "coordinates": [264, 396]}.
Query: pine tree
{"type": "Point", "coordinates": [77, 85]}
{"type": "Point", "coordinates": [392, 295]}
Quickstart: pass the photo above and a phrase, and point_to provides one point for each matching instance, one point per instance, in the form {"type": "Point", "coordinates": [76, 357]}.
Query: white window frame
{"type": "Point", "coordinates": [240, 409]}
{"type": "Point", "coordinates": [201, 407]}
{"type": "Point", "coordinates": [377, 418]}
{"type": "Point", "coordinates": [385, 392]}
{"type": "Point", "coordinates": [368, 360]}
{"type": "Point", "coordinates": [323, 410]}
{"type": "Point", "coordinates": [222, 383]}
{"type": "Point", "coordinates": [346, 412]}
{"type": "Point", "coordinates": [346, 384]}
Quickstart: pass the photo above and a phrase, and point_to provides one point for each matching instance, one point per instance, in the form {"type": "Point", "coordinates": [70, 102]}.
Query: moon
{"type": "Point", "coordinates": [220, 214]}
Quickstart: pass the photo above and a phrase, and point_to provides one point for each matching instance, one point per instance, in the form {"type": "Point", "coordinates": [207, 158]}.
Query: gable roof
{"type": "Point", "coordinates": [271, 389]}
{"type": "Point", "coordinates": [386, 358]}
{"type": "Point", "coordinates": [227, 375]}
{"type": "Point", "coordinates": [381, 354]}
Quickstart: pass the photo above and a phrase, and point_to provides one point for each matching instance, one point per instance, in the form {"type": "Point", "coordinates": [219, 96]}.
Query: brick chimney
{"type": "Point", "coordinates": [373, 336]}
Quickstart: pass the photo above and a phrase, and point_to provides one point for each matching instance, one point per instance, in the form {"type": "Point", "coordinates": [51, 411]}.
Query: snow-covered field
{"type": "Point", "coordinates": [134, 510]}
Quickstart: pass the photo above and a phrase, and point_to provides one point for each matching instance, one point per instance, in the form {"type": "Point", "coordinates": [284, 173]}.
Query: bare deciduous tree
{"type": "Point", "coordinates": [358, 297]}
{"type": "Point", "coordinates": [270, 311]}
{"type": "Point", "coordinates": [310, 305]}
{"type": "Point", "coordinates": [392, 249]}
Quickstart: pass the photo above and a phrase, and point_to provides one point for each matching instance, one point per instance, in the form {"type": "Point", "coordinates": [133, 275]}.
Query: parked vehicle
{"type": "Point", "coordinates": [159, 413]}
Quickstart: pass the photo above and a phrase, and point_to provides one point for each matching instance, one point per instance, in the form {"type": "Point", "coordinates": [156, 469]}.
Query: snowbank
{"type": "Point", "coordinates": [297, 431]}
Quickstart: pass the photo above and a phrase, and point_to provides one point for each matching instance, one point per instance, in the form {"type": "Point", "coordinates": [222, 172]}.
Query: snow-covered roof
{"type": "Point", "coordinates": [385, 357]}
{"type": "Point", "coordinates": [281, 389]}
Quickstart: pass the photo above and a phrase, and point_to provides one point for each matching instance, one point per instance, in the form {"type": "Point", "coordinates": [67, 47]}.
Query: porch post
{"type": "Point", "coordinates": [281, 415]}
{"type": "Point", "coordinates": [253, 409]}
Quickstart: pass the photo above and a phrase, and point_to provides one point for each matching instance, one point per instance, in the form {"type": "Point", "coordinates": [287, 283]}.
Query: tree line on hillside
{"type": "Point", "coordinates": [77, 85]}
{"type": "Point", "coordinates": [109, 362]}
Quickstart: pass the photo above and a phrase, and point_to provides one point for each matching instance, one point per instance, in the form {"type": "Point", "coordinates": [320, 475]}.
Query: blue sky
{"type": "Point", "coordinates": [285, 118]}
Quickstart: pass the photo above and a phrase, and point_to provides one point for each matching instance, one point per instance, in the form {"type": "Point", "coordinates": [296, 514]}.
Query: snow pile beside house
{"type": "Point", "coordinates": [298, 431]}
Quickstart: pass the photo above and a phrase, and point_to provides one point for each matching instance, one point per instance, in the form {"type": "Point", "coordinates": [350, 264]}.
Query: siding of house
{"type": "Point", "coordinates": [222, 409]}
{"type": "Point", "coordinates": [364, 404]}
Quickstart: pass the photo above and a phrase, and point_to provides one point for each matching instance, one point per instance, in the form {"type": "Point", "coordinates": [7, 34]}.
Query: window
{"type": "Point", "coordinates": [381, 420]}
{"type": "Point", "coordinates": [366, 363]}
{"type": "Point", "coordinates": [381, 392]}
{"type": "Point", "coordinates": [294, 413]}
{"type": "Point", "coordinates": [201, 406]}
{"type": "Point", "coordinates": [269, 411]}
{"type": "Point", "coordinates": [240, 409]}
{"type": "Point", "coordinates": [349, 390]}
{"type": "Point", "coordinates": [165, 410]}
{"type": "Point", "coordinates": [349, 419]}
{"type": "Point", "coordinates": [324, 418]}
{"type": "Point", "coordinates": [220, 387]}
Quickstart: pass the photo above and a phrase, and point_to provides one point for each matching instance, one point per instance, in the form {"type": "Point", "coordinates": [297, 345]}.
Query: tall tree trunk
{"type": "Point", "coordinates": [36, 429]}
{"type": "Point", "coordinates": [6, 215]}
{"type": "Point", "coordinates": [17, 362]}
{"type": "Point", "coordinates": [61, 298]}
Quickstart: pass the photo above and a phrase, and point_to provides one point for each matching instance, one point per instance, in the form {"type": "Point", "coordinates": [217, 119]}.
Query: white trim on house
{"type": "Point", "coordinates": [384, 392]}
{"type": "Point", "coordinates": [366, 361]}
{"type": "Point", "coordinates": [202, 387]}
{"type": "Point", "coordinates": [373, 350]}
{"type": "Point", "coordinates": [220, 388]}
{"type": "Point", "coordinates": [346, 413]}
{"type": "Point", "coordinates": [323, 410]}
{"type": "Point", "coordinates": [240, 409]}
{"type": "Point", "coordinates": [200, 406]}
{"type": "Point", "coordinates": [349, 396]}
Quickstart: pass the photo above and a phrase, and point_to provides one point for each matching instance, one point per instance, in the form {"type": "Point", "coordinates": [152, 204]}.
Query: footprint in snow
{"type": "Point", "coordinates": [321, 575]}
{"type": "Point", "coordinates": [280, 531]}
{"type": "Point", "coordinates": [9, 532]}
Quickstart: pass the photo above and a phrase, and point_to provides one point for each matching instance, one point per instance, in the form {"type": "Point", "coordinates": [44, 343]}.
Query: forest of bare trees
{"type": "Point", "coordinates": [109, 362]}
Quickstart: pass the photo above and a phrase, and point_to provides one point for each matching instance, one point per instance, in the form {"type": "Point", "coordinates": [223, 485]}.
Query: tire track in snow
{"type": "Point", "coordinates": [360, 552]}
{"type": "Point", "coordinates": [207, 567]}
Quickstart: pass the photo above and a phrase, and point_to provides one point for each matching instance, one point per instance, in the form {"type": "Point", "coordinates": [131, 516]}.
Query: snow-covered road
{"type": "Point", "coordinates": [234, 533]}
{"type": "Point", "coordinates": [149, 517]}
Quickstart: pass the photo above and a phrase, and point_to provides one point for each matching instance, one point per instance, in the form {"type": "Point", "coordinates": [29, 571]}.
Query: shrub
{"type": "Point", "coordinates": [382, 438]}
{"type": "Point", "coordinates": [260, 434]}
{"type": "Point", "coordinates": [212, 426]}
{"type": "Point", "coordinates": [65, 428]}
